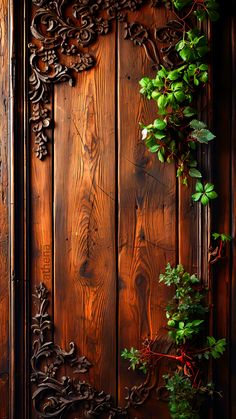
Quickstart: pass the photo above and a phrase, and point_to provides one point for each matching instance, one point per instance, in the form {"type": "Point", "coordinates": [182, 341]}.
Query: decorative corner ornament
{"type": "Point", "coordinates": [55, 395]}
{"type": "Point", "coordinates": [56, 35]}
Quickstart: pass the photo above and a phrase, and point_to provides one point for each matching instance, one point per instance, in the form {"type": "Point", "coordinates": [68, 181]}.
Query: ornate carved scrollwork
{"type": "Point", "coordinates": [55, 34]}
{"type": "Point", "coordinates": [55, 395]}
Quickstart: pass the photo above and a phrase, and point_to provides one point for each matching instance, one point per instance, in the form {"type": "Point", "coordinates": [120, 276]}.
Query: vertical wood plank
{"type": "Point", "coordinates": [188, 225]}
{"type": "Point", "coordinates": [85, 260]}
{"type": "Point", "coordinates": [221, 209]}
{"type": "Point", "coordinates": [233, 216]}
{"type": "Point", "coordinates": [40, 229]}
{"type": "Point", "coordinates": [4, 202]}
{"type": "Point", "coordinates": [147, 212]}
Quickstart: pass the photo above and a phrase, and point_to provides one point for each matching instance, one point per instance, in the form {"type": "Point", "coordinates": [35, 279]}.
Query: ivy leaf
{"type": "Point", "coordinates": [160, 124]}
{"type": "Point", "coordinates": [212, 195]}
{"type": "Point", "coordinates": [155, 95]}
{"type": "Point", "coordinates": [203, 135]}
{"type": "Point", "coordinates": [159, 135]}
{"type": "Point", "coordinates": [197, 196]}
{"type": "Point", "coordinates": [204, 193]}
{"type": "Point", "coordinates": [180, 96]}
{"type": "Point", "coordinates": [209, 187]}
{"type": "Point", "coordinates": [195, 173]}
{"type": "Point", "coordinates": [222, 236]}
{"type": "Point", "coordinates": [204, 200]}
{"type": "Point", "coordinates": [199, 187]}
{"type": "Point", "coordinates": [180, 4]}
{"type": "Point", "coordinates": [161, 156]}
{"type": "Point", "coordinates": [189, 112]}
{"type": "Point", "coordinates": [203, 67]}
{"type": "Point", "coordinates": [154, 148]}
{"type": "Point", "coordinates": [162, 101]}
{"type": "Point", "coordinates": [173, 75]}
{"type": "Point", "coordinates": [197, 125]}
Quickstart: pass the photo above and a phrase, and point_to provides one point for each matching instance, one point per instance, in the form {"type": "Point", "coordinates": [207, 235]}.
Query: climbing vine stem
{"type": "Point", "coordinates": [174, 136]}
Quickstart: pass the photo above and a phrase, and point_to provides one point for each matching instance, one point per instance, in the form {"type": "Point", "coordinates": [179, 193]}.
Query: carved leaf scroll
{"type": "Point", "coordinates": [56, 396]}
{"type": "Point", "coordinates": [56, 34]}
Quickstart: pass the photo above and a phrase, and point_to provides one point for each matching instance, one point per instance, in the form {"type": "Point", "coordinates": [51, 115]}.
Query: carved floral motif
{"type": "Point", "coordinates": [56, 34]}
{"type": "Point", "coordinates": [55, 397]}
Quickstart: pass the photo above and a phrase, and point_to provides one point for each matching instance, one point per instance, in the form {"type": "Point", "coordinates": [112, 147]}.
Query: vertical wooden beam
{"type": "Point", "coordinates": [147, 212]}
{"type": "Point", "coordinates": [4, 212]}
{"type": "Point", "coordinates": [84, 223]}
{"type": "Point", "coordinates": [233, 220]}
{"type": "Point", "coordinates": [221, 210]}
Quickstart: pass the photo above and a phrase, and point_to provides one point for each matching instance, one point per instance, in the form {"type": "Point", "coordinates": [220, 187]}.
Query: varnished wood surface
{"type": "Point", "coordinates": [105, 217]}
{"type": "Point", "coordinates": [224, 209]}
{"type": "Point", "coordinates": [85, 224]}
{"type": "Point", "coordinates": [4, 204]}
{"type": "Point", "coordinates": [147, 213]}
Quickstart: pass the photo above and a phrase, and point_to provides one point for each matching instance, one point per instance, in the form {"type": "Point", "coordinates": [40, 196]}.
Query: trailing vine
{"type": "Point", "coordinates": [176, 132]}
{"type": "Point", "coordinates": [173, 136]}
{"type": "Point", "coordinates": [186, 316]}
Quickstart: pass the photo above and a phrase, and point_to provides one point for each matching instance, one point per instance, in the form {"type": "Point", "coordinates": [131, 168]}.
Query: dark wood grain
{"type": "Point", "coordinates": [147, 212]}
{"type": "Point", "coordinates": [222, 209]}
{"type": "Point", "coordinates": [4, 203]}
{"type": "Point", "coordinates": [84, 179]}
{"type": "Point", "coordinates": [40, 226]}
{"type": "Point", "coordinates": [105, 217]}
{"type": "Point", "coordinates": [233, 226]}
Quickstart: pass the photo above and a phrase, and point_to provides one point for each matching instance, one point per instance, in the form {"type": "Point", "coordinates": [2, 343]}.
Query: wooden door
{"type": "Point", "coordinates": [94, 217]}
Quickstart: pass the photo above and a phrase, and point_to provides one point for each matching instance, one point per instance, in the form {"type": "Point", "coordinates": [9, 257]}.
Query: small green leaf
{"type": "Point", "coordinates": [159, 135]}
{"type": "Point", "coordinates": [195, 173]}
{"type": "Point", "coordinates": [180, 96]}
{"type": "Point", "coordinates": [204, 200]}
{"type": "Point", "coordinates": [212, 195]}
{"type": "Point", "coordinates": [189, 112]}
{"type": "Point", "coordinates": [161, 156]}
{"type": "Point", "coordinates": [208, 187]}
{"type": "Point", "coordinates": [197, 125]}
{"type": "Point", "coordinates": [199, 187]}
{"type": "Point", "coordinates": [225, 237]}
{"type": "Point", "coordinates": [203, 67]}
{"type": "Point", "coordinates": [196, 196]}
{"type": "Point", "coordinates": [154, 148]}
{"type": "Point", "coordinates": [173, 75]}
{"type": "Point", "coordinates": [216, 235]}
{"type": "Point", "coordinates": [162, 101]}
{"type": "Point", "coordinates": [160, 124]}
{"type": "Point", "coordinates": [155, 95]}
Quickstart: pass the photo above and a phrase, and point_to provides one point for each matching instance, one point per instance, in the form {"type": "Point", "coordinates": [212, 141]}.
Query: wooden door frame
{"type": "Point", "coordinates": [18, 212]}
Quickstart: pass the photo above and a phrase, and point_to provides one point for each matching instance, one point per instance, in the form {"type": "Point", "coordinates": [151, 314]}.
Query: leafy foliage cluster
{"type": "Point", "coordinates": [186, 316]}
{"type": "Point", "coordinates": [174, 135]}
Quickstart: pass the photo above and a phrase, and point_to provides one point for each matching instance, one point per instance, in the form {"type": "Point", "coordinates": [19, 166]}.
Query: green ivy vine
{"type": "Point", "coordinates": [173, 136]}
{"type": "Point", "coordinates": [186, 315]}
{"type": "Point", "coordinates": [176, 132]}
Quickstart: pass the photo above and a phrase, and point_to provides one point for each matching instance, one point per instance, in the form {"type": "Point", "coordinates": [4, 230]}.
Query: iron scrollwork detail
{"type": "Point", "coordinates": [56, 35]}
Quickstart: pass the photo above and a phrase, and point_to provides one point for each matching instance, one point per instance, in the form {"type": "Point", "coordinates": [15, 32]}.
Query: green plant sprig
{"type": "Point", "coordinates": [202, 9]}
{"type": "Point", "coordinates": [175, 133]}
{"type": "Point", "coordinates": [186, 320]}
